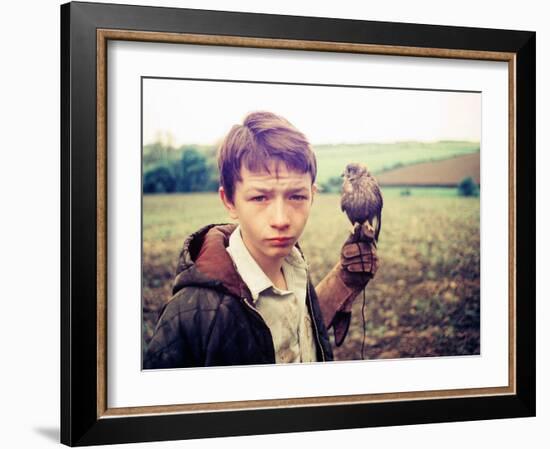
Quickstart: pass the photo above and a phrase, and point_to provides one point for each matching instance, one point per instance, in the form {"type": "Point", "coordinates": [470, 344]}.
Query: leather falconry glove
{"type": "Point", "coordinates": [350, 275]}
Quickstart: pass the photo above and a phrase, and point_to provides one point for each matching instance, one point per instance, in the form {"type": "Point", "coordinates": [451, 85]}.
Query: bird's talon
{"type": "Point", "coordinates": [368, 230]}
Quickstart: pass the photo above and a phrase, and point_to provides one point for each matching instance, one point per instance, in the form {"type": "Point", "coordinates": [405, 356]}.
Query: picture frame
{"type": "Point", "coordinates": [86, 29]}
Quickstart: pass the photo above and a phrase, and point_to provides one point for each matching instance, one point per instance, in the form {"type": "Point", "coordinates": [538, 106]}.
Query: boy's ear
{"type": "Point", "coordinates": [228, 204]}
{"type": "Point", "coordinates": [314, 190]}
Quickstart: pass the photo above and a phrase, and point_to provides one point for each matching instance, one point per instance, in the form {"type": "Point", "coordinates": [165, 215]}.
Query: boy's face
{"type": "Point", "coordinates": [272, 210]}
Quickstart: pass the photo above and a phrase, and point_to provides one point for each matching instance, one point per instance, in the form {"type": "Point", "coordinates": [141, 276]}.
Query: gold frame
{"type": "Point", "coordinates": [103, 36]}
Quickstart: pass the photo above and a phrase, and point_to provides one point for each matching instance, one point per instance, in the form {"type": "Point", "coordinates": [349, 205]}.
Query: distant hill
{"type": "Point", "coordinates": [332, 159]}
{"type": "Point", "coordinates": [382, 157]}
{"type": "Point", "coordinates": [447, 172]}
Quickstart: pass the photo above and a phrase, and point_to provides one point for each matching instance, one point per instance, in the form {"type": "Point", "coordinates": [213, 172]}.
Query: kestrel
{"type": "Point", "coordinates": [361, 199]}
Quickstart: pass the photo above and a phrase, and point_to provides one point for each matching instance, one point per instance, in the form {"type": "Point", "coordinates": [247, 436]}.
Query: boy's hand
{"type": "Point", "coordinates": [358, 259]}
{"type": "Point", "coordinates": [337, 291]}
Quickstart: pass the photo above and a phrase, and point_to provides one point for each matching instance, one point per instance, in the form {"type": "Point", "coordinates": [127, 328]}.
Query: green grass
{"type": "Point", "coordinates": [424, 300]}
{"type": "Point", "coordinates": [391, 191]}
{"type": "Point", "coordinates": [170, 217]}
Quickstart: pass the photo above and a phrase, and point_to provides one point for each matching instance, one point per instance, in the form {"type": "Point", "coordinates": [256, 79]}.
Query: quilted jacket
{"type": "Point", "coordinates": [210, 319]}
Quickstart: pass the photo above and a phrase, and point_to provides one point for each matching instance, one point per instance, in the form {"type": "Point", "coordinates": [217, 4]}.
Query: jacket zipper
{"type": "Point", "coordinates": [308, 298]}
{"type": "Point", "coordinates": [314, 320]}
{"type": "Point", "coordinates": [258, 315]}
{"type": "Point", "coordinates": [263, 321]}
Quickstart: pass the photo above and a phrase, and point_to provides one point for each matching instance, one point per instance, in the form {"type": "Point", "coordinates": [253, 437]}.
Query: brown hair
{"type": "Point", "coordinates": [262, 137]}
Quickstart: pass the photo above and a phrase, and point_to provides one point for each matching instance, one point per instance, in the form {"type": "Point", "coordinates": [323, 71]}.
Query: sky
{"type": "Point", "coordinates": [202, 112]}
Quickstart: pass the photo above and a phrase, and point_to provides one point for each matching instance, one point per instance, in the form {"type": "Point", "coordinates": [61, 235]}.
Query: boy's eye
{"type": "Point", "coordinates": [259, 198]}
{"type": "Point", "coordinates": [299, 197]}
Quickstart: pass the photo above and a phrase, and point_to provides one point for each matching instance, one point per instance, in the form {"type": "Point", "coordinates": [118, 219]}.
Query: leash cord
{"type": "Point", "coordinates": [364, 326]}
{"type": "Point", "coordinates": [363, 307]}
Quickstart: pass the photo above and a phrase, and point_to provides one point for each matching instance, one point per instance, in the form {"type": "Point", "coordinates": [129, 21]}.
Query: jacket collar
{"type": "Point", "coordinates": [252, 274]}
{"type": "Point", "coordinates": [204, 260]}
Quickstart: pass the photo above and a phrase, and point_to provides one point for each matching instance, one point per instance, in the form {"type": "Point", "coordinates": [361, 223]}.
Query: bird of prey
{"type": "Point", "coordinates": [361, 200]}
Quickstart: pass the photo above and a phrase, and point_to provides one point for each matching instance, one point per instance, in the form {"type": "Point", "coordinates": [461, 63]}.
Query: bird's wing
{"type": "Point", "coordinates": [377, 192]}
{"type": "Point", "coordinates": [344, 197]}
{"type": "Point", "coordinates": [380, 201]}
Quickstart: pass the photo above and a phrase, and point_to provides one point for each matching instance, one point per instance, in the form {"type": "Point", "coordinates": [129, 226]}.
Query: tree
{"type": "Point", "coordinates": [332, 185]}
{"type": "Point", "coordinates": [468, 187]}
{"type": "Point", "coordinates": [193, 173]}
{"type": "Point", "coordinates": [159, 180]}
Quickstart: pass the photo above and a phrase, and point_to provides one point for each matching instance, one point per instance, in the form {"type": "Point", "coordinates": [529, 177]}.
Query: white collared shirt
{"type": "Point", "coordinates": [284, 311]}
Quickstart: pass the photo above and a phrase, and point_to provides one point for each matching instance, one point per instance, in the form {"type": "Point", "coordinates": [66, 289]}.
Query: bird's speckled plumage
{"type": "Point", "coordinates": [361, 197]}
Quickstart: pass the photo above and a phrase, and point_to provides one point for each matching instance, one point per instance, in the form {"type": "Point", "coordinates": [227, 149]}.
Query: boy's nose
{"type": "Point", "coordinates": [279, 217]}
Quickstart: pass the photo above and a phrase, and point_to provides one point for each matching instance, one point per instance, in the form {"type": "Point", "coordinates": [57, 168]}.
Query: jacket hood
{"type": "Point", "coordinates": [204, 262]}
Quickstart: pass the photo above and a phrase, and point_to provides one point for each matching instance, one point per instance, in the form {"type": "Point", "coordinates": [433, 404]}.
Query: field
{"type": "Point", "coordinates": [424, 300]}
{"type": "Point", "coordinates": [381, 157]}
{"type": "Point", "coordinates": [437, 173]}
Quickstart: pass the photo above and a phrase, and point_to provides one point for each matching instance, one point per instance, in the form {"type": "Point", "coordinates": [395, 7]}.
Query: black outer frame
{"type": "Point", "coordinates": [79, 422]}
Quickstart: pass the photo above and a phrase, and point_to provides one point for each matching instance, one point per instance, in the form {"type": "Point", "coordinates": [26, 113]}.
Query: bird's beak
{"type": "Point", "coordinates": [342, 175]}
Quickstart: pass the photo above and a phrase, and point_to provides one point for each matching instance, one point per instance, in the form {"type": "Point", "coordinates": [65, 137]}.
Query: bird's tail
{"type": "Point", "coordinates": [378, 226]}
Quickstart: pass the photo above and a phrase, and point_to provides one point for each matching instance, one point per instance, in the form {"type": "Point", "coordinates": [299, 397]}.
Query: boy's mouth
{"type": "Point", "coordinates": [281, 240]}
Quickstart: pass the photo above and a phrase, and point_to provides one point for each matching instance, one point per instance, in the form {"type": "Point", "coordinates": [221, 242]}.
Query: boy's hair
{"type": "Point", "coordinates": [262, 137]}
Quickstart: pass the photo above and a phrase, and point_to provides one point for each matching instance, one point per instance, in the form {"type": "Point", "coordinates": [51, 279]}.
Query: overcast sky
{"type": "Point", "coordinates": [202, 112]}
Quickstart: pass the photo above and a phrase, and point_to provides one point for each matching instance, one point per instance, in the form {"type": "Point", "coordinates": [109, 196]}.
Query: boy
{"type": "Point", "coordinates": [242, 292]}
